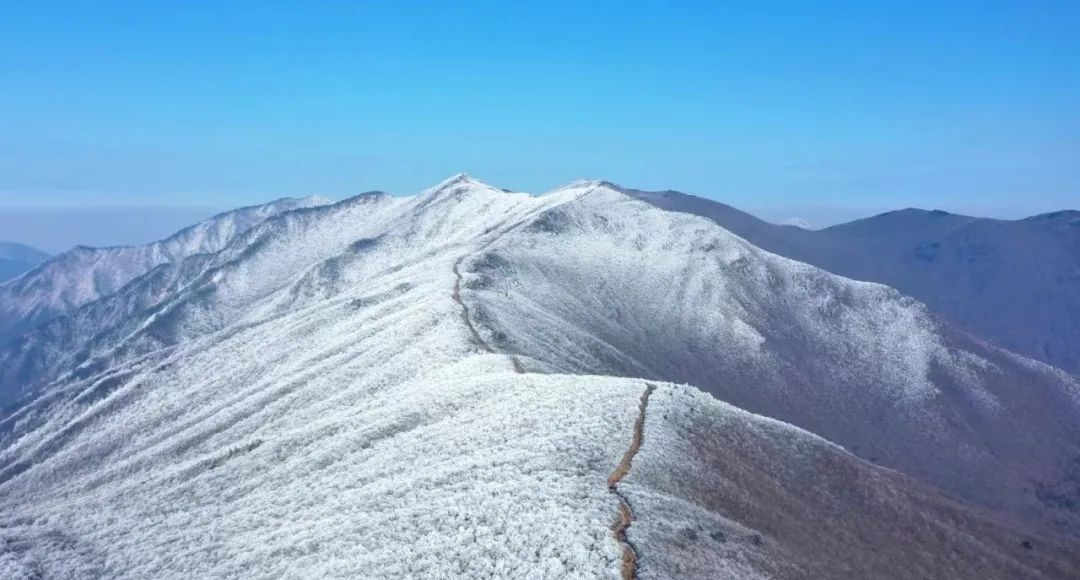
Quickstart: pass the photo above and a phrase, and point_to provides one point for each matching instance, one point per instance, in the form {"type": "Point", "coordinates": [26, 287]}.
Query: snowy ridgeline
{"type": "Point", "coordinates": [1016, 282]}
{"type": "Point", "coordinates": [309, 401]}
{"type": "Point", "coordinates": [82, 275]}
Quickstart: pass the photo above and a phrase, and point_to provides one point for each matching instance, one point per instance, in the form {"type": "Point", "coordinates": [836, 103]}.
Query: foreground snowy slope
{"type": "Point", "coordinates": [408, 388]}
{"type": "Point", "coordinates": [1014, 282]}
{"type": "Point", "coordinates": [83, 275]}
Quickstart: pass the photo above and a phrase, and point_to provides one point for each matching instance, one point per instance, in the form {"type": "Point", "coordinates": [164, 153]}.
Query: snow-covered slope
{"type": "Point", "coordinates": [1014, 282]}
{"type": "Point", "coordinates": [82, 274]}
{"type": "Point", "coordinates": [16, 258]}
{"type": "Point", "coordinates": [471, 383]}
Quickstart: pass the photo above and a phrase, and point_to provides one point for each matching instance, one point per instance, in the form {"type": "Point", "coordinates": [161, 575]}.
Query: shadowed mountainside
{"type": "Point", "coordinates": [1016, 282]}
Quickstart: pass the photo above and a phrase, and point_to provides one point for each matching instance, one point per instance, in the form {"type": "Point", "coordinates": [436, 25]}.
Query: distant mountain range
{"type": "Point", "coordinates": [477, 383]}
{"type": "Point", "coordinates": [1016, 283]}
{"type": "Point", "coordinates": [16, 258]}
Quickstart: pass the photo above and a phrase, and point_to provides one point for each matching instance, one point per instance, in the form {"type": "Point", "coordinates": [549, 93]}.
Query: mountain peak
{"type": "Point", "coordinates": [590, 185]}
{"type": "Point", "coordinates": [316, 200]}
{"type": "Point", "coordinates": [459, 179]}
{"type": "Point", "coordinates": [598, 184]}
{"type": "Point", "coordinates": [459, 186]}
{"type": "Point", "coordinates": [1055, 215]}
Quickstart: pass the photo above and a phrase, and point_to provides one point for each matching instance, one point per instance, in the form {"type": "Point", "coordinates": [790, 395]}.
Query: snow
{"type": "Point", "coordinates": [308, 401]}
{"type": "Point", "coordinates": [421, 482]}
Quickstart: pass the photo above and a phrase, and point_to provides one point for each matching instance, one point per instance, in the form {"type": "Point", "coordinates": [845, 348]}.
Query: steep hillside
{"type": "Point", "coordinates": [477, 383]}
{"type": "Point", "coordinates": [1014, 282]}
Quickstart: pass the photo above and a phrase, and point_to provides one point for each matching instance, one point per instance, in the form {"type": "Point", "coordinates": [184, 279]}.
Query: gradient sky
{"type": "Point", "coordinates": [783, 108]}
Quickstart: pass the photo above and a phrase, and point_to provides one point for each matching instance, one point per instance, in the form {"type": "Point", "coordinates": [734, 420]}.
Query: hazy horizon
{"type": "Point", "coordinates": [56, 228]}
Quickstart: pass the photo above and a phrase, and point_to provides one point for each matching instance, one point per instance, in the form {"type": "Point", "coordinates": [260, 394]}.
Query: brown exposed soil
{"type": "Point", "coordinates": [626, 515]}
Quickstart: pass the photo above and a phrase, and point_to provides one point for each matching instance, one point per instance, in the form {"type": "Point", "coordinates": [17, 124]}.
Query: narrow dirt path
{"type": "Point", "coordinates": [626, 515]}
{"type": "Point", "coordinates": [465, 309]}
{"type": "Point", "coordinates": [484, 346]}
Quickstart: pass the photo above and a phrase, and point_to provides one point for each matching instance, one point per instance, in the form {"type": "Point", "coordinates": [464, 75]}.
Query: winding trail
{"type": "Point", "coordinates": [484, 346]}
{"type": "Point", "coordinates": [465, 309]}
{"type": "Point", "coordinates": [626, 515]}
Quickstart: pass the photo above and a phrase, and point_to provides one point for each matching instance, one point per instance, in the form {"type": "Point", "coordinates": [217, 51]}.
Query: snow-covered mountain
{"type": "Point", "coordinates": [475, 383]}
{"type": "Point", "coordinates": [1014, 282]}
{"type": "Point", "coordinates": [16, 258]}
{"type": "Point", "coordinates": [83, 275]}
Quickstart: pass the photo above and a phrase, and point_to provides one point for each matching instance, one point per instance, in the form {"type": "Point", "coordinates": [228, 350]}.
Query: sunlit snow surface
{"type": "Point", "coordinates": [310, 403]}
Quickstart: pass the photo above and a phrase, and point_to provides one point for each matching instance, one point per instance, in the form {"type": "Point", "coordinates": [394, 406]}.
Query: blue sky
{"type": "Point", "coordinates": [839, 108]}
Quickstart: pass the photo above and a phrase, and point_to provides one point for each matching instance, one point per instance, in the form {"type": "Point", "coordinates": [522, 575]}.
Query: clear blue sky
{"type": "Point", "coordinates": [839, 106]}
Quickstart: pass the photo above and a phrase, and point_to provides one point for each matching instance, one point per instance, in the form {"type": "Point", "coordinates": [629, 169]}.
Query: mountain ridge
{"type": "Point", "coordinates": [83, 274]}
{"type": "Point", "coordinates": [317, 388]}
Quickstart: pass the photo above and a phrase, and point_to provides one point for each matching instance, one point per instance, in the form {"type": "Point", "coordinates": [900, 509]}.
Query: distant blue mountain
{"type": "Point", "coordinates": [16, 258]}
